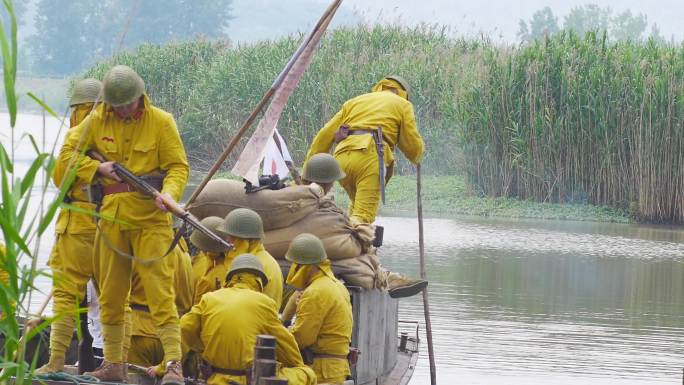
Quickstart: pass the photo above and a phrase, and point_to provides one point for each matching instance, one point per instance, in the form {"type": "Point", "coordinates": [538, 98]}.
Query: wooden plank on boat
{"type": "Point", "coordinates": [374, 333]}
{"type": "Point", "coordinates": [403, 370]}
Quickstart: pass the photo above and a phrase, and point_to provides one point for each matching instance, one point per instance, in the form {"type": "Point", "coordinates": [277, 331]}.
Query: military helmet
{"type": "Point", "coordinates": [248, 263]}
{"type": "Point", "coordinates": [242, 223]}
{"type": "Point", "coordinates": [322, 168]}
{"type": "Point", "coordinates": [306, 249]}
{"type": "Point", "coordinates": [205, 243]}
{"type": "Point", "coordinates": [402, 82]}
{"type": "Point", "coordinates": [85, 91]}
{"type": "Point", "coordinates": [122, 86]}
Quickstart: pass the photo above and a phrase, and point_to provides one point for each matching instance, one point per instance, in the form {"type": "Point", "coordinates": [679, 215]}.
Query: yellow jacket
{"type": "Point", "coordinates": [223, 327]}
{"type": "Point", "coordinates": [323, 323]}
{"type": "Point", "coordinates": [143, 323]}
{"type": "Point", "coordinates": [143, 146]}
{"type": "Point", "coordinates": [217, 267]}
{"type": "Point", "coordinates": [70, 220]}
{"type": "Point", "coordinates": [369, 111]}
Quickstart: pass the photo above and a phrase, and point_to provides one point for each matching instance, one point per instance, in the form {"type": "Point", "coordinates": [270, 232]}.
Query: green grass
{"type": "Point", "coordinates": [449, 195]}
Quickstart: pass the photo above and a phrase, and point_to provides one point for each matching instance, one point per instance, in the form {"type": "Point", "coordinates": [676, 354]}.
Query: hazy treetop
{"type": "Point", "coordinates": [499, 18]}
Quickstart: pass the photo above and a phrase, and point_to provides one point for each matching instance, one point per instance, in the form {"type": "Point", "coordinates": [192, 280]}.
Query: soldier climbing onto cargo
{"type": "Point", "coordinates": [244, 229]}
{"type": "Point", "coordinates": [325, 170]}
{"type": "Point", "coordinates": [365, 133]}
{"type": "Point", "coordinates": [136, 230]}
{"type": "Point", "coordinates": [224, 325]}
{"type": "Point", "coordinates": [71, 259]}
{"type": "Point", "coordinates": [323, 322]}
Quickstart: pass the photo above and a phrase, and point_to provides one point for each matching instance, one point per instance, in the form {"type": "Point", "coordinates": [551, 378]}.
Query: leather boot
{"type": "Point", "coordinates": [53, 366]}
{"type": "Point", "coordinates": [109, 372]}
{"type": "Point", "coordinates": [174, 374]}
{"type": "Point", "coordinates": [399, 286]}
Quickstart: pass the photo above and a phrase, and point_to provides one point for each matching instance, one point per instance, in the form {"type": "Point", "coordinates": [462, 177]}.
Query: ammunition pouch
{"type": "Point", "coordinates": [94, 192]}
{"type": "Point", "coordinates": [352, 357]}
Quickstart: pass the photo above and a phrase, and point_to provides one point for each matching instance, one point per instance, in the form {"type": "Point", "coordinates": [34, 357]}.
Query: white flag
{"type": "Point", "coordinates": [276, 156]}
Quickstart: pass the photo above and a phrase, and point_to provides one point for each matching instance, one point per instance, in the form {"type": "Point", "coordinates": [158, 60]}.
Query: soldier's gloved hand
{"type": "Point", "coordinates": [160, 202]}
{"type": "Point", "coordinates": [106, 169]}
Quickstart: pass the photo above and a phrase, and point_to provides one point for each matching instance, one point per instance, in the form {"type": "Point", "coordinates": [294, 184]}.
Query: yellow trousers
{"type": "Point", "coordinates": [145, 351]}
{"type": "Point", "coordinates": [71, 261]}
{"type": "Point", "coordinates": [361, 183]}
{"type": "Point", "coordinates": [113, 272]}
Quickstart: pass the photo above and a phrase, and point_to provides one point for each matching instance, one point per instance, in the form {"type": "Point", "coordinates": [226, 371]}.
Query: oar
{"type": "Point", "coordinates": [426, 306]}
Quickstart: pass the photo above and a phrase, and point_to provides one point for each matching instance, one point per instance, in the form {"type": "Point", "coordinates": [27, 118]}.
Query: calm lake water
{"type": "Point", "coordinates": [524, 302]}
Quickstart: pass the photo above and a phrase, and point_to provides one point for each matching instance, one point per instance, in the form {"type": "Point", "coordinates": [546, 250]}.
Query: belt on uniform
{"type": "Point", "coordinates": [344, 131]}
{"type": "Point", "coordinates": [124, 187]}
{"type": "Point", "coordinates": [230, 372]}
{"type": "Point", "coordinates": [144, 308]}
{"type": "Point", "coordinates": [325, 355]}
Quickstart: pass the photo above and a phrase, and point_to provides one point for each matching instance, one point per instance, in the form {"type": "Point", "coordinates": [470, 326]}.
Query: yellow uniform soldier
{"type": "Point", "coordinates": [367, 124]}
{"type": "Point", "coordinates": [136, 232]}
{"type": "Point", "coordinates": [210, 265]}
{"type": "Point", "coordinates": [244, 229]}
{"type": "Point", "coordinates": [224, 326]}
{"type": "Point", "coordinates": [71, 259]}
{"type": "Point", "coordinates": [323, 323]}
{"type": "Point", "coordinates": [146, 348]}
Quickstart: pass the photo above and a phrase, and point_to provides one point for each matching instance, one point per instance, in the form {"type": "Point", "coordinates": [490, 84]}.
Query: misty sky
{"type": "Point", "coordinates": [500, 18]}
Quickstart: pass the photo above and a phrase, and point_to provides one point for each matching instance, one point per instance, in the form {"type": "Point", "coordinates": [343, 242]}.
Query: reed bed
{"type": "Point", "coordinates": [567, 119]}
{"type": "Point", "coordinates": [575, 119]}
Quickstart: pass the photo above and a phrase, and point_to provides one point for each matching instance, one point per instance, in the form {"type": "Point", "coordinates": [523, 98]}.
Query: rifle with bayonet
{"type": "Point", "coordinates": [174, 208]}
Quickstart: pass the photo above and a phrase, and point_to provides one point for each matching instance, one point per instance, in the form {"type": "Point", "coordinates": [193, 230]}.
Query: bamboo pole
{"type": "Point", "coordinates": [260, 106]}
{"type": "Point", "coordinates": [423, 275]}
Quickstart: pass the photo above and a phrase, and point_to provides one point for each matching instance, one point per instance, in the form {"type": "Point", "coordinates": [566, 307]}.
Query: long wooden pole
{"type": "Point", "coordinates": [423, 275]}
{"type": "Point", "coordinates": [260, 106]}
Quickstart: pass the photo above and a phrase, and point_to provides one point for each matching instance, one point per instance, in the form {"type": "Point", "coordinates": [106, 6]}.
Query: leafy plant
{"type": "Point", "coordinates": [22, 225]}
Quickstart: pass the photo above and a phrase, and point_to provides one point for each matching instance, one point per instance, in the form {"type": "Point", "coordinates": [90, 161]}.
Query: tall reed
{"type": "Point", "coordinates": [22, 226]}
{"type": "Point", "coordinates": [573, 119]}
{"type": "Point", "coordinates": [567, 119]}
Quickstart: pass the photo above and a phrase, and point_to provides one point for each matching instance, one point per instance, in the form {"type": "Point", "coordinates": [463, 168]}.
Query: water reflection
{"type": "Point", "coordinates": [546, 302]}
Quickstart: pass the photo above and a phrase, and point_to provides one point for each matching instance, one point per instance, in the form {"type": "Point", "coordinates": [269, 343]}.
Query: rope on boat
{"type": "Point", "coordinates": [75, 379]}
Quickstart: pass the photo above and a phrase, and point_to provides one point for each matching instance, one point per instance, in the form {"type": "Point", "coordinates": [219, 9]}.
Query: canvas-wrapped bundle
{"type": "Point", "coordinates": [278, 208]}
{"type": "Point", "coordinates": [341, 238]}
{"type": "Point", "coordinates": [363, 271]}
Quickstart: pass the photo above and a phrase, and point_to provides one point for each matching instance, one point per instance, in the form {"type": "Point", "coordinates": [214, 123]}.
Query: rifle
{"type": "Point", "coordinates": [142, 186]}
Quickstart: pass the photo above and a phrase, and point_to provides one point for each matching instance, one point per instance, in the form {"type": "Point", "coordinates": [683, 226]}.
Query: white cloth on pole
{"type": "Point", "coordinates": [276, 156]}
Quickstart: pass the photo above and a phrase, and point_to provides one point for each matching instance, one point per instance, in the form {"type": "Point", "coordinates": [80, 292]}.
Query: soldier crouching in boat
{"type": "Point", "coordinates": [224, 325]}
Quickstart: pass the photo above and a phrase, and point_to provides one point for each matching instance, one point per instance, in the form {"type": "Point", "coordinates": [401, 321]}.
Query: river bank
{"type": "Point", "coordinates": [449, 195]}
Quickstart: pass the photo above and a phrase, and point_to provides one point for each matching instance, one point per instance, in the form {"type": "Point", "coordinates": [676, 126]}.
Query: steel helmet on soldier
{"type": "Point", "coordinates": [247, 263]}
{"type": "Point", "coordinates": [205, 243]}
{"type": "Point", "coordinates": [122, 86]}
{"type": "Point", "coordinates": [242, 223]}
{"type": "Point", "coordinates": [85, 91]}
{"type": "Point", "coordinates": [401, 81]}
{"type": "Point", "coordinates": [306, 249]}
{"type": "Point", "coordinates": [322, 168]}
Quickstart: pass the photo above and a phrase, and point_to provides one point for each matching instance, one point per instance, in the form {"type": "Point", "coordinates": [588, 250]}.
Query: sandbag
{"type": "Point", "coordinates": [277, 208]}
{"type": "Point", "coordinates": [363, 271]}
{"type": "Point", "coordinates": [340, 238]}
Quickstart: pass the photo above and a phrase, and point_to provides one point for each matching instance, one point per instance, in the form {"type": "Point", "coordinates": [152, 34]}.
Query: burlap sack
{"type": "Point", "coordinates": [340, 238]}
{"type": "Point", "coordinates": [364, 271]}
{"type": "Point", "coordinates": [277, 208]}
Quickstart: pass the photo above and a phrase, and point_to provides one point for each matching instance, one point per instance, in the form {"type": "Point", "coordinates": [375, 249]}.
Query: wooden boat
{"type": "Point", "coordinates": [388, 356]}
